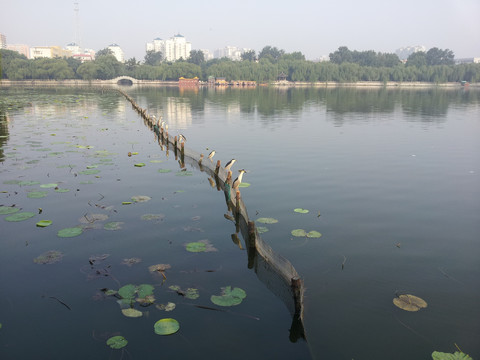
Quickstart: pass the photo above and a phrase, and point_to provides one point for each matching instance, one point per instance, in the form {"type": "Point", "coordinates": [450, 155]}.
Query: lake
{"type": "Point", "coordinates": [390, 178]}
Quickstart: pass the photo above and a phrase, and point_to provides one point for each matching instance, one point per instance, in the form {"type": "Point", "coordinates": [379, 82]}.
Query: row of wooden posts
{"type": "Point", "coordinates": [295, 282]}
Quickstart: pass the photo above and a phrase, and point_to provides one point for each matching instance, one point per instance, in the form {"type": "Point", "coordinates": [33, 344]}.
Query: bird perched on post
{"type": "Point", "coordinates": [238, 180]}
{"type": "Point", "coordinates": [182, 138]}
{"type": "Point", "coordinates": [229, 164]}
{"type": "Point", "coordinates": [211, 155]}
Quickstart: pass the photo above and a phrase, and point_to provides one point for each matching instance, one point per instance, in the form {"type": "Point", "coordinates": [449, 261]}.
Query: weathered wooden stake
{"type": "Point", "coordinates": [296, 284]}
{"type": "Point", "coordinates": [217, 168]}
{"type": "Point", "coordinates": [237, 201]}
{"type": "Point", "coordinates": [251, 234]}
{"type": "Point", "coordinates": [228, 180]}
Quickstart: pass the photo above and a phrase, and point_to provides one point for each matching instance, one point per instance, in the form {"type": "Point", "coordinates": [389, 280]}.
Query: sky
{"type": "Point", "coordinates": [315, 28]}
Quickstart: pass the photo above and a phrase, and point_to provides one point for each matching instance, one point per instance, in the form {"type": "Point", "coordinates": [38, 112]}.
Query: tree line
{"type": "Point", "coordinates": [435, 65]}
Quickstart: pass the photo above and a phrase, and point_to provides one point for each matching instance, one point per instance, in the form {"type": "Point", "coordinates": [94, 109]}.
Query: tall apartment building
{"type": "Point", "coordinates": [117, 52]}
{"type": "Point", "coordinates": [20, 48]}
{"type": "Point", "coordinates": [3, 41]}
{"type": "Point", "coordinates": [48, 52]}
{"type": "Point", "coordinates": [173, 49]}
{"type": "Point", "coordinates": [231, 52]}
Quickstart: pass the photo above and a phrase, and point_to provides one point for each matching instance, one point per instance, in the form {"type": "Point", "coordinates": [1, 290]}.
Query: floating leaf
{"type": "Point", "coordinates": [44, 223]}
{"type": "Point", "coordinates": [141, 198]}
{"type": "Point", "coordinates": [126, 202]}
{"type": "Point", "coordinates": [159, 268]}
{"type": "Point", "coordinates": [149, 217]}
{"type": "Point", "coordinates": [140, 165]}
{"type": "Point", "coordinates": [314, 234]}
{"type": "Point", "coordinates": [6, 210]}
{"type": "Point", "coordinates": [409, 302]}
{"type": "Point", "coordinates": [146, 301]}
{"type": "Point", "coordinates": [144, 290]}
{"type": "Point", "coordinates": [265, 220]}
{"type": "Point", "coordinates": [184, 173]}
{"type": "Point", "coordinates": [229, 297]}
{"type": "Point", "coordinates": [166, 326]}
{"type": "Point", "coordinates": [20, 216]}
{"type": "Point", "coordinates": [164, 171]}
{"type": "Point", "coordinates": [117, 342]}
{"type": "Point", "coordinates": [28, 183]}
{"type": "Point", "coordinates": [262, 229]}
{"type": "Point", "coordinates": [244, 185]}
{"type": "Point", "coordinates": [156, 161]}
{"type": "Point", "coordinates": [37, 194]}
{"type": "Point", "coordinates": [89, 172]}
{"type": "Point", "coordinates": [91, 218]}
{"type": "Point", "coordinates": [127, 291]}
{"type": "Point", "coordinates": [133, 313]}
{"type": "Point", "coordinates": [62, 190]}
{"type": "Point", "coordinates": [131, 261]}
{"type": "Point", "coordinates": [437, 355]}
{"type": "Point", "coordinates": [47, 186]}
{"type": "Point", "coordinates": [192, 293]}
{"type": "Point", "coordinates": [70, 232]}
{"type": "Point", "coordinates": [113, 225]}
{"type": "Point", "coordinates": [48, 257]}
{"type": "Point", "coordinates": [196, 246]}
{"type": "Point", "coordinates": [12, 182]}
{"type": "Point", "coordinates": [299, 232]}
{"type": "Point", "coordinates": [301, 211]}
{"type": "Point", "coordinates": [166, 307]}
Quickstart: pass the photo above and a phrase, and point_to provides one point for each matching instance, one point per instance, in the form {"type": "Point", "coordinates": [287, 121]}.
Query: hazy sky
{"type": "Point", "coordinates": [315, 28]}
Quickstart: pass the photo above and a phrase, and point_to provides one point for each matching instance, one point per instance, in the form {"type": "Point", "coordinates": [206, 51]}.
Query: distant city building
{"type": "Point", "coordinates": [81, 54]}
{"type": "Point", "coordinates": [3, 41]}
{"type": "Point", "coordinates": [48, 52]}
{"type": "Point", "coordinates": [231, 52]}
{"type": "Point", "coordinates": [175, 48]}
{"type": "Point", "coordinates": [404, 52]}
{"type": "Point", "coordinates": [117, 52]}
{"type": "Point", "coordinates": [207, 55]}
{"type": "Point", "coordinates": [474, 60]}
{"type": "Point", "coordinates": [20, 48]}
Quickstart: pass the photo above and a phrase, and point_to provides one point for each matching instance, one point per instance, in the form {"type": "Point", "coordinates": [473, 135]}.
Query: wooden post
{"type": "Point", "coordinates": [182, 150]}
{"type": "Point", "coordinates": [252, 237]}
{"type": "Point", "coordinates": [296, 283]}
{"type": "Point", "coordinates": [217, 168]}
{"type": "Point", "coordinates": [228, 180]}
{"type": "Point", "coordinates": [201, 159]}
{"type": "Point", "coordinates": [237, 201]}
{"type": "Point", "coordinates": [175, 142]}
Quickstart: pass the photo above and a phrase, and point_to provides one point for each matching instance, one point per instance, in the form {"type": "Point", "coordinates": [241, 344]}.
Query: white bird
{"type": "Point", "coordinates": [238, 180]}
{"type": "Point", "coordinates": [229, 164]}
{"type": "Point", "coordinates": [211, 155]}
{"type": "Point", "coordinates": [181, 138]}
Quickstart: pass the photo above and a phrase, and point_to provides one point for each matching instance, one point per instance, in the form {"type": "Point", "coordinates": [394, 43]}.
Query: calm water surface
{"type": "Point", "coordinates": [390, 179]}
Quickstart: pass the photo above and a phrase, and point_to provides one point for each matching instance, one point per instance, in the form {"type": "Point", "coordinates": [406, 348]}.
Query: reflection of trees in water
{"type": "Point", "coordinates": [3, 132]}
{"type": "Point", "coordinates": [352, 100]}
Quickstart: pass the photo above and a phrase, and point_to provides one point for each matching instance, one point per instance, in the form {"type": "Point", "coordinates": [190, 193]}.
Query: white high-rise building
{"type": "Point", "coordinates": [117, 52]}
{"type": "Point", "coordinates": [172, 49]}
{"type": "Point", "coordinates": [3, 41]}
{"type": "Point", "coordinates": [231, 52]}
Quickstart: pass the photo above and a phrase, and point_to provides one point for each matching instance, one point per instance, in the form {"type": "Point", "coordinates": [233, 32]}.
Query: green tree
{"type": "Point", "coordinates": [196, 57]}
{"type": "Point", "coordinates": [343, 54]}
{"type": "Point", "coordinates": [88, 70]}
{"type": "Point", "coordinates": [131, 64]}
{"type": "Point", "coordinates": [103, 52]}
{"type": "Point", "coordinates": [249, 56]}
{"type": "Point", "coordinates": [153, 58]}
{"type": "Point", "coordinates": [108, 67]}
{"type": "Point", "coordinates": [273, 54]}
{"type": "Point", "coordinates": [436, 56]}
{"type": "Point", "coordinates": [417, 59]}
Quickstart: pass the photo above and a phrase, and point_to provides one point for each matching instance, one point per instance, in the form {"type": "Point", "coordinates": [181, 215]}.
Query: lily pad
{"type": "Point", "coordinates": [133, 313]}
{"type": "Point", "coordinates": [166, 326]}
{"type": "Point", "coordinates": [20, 216]}
{"type": "Point", "coordinates": [131, 261]}
{"type": "Point", "coordinates": [159, 268]}
{"type": "Point", "coordinates": [89, 172]}
{"type": "Point", "coordinates": [244, 185]}
{"type": "Point", "coordinates": [196, 247]}
{"type": "Point", "coordinates": [117, 342]}
{"type": "Point", "coordinates": [229, 297]}
{"type": "Point", "coordinates": [262, 229]}
{"type": "Point", "coordinates": [113, 225]}
{"type": "Point", "coordinates": [70, 232]}
{"type": "Point", "coordinates": [62, 190]}
{"type": "Point", "coordinates": [301, 211]}
{"type": "Point", "coordinates": [28, 183]}
{"type": "Point", "coordinates": [47, 186]}
{"type": "Point", "coordinates": [44, 223]}
{"type": "Point", "coordinates": [437, 355]}
{"type": "Point", "coordinates": [409, 302]}
{"type": "Point", "coordinates": [140, 164]}
{"type": "Point", "coordinates": [6, 210]}
{"type": "Point", "coordinates": [299, 233]}
{"type": "Point", "coordinates": [127, 291]}
{"type": "Point", "coordinates": [184, 173]}
{"type": "Point", "coordinates": [314, 234]}
{"type": "Point", "coordinates": [166, 307]}
{"type": "Point", "coordinates": [37, 194]}
{"type": "Point", "coordinates": [49, 257]}
{"type": "Point", "coordinates": [141, 198]}
{"type": "Point", "coordinates": [265, 220]}
{"type": "Point", "coordinates": [145, 290]}
{"type": "Point", "coordinates": [164, 171]}
{"type": "Point", "coordinates": [149, 217]}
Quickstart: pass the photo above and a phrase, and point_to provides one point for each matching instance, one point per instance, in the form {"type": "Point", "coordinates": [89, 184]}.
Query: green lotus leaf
{"type": "Point", "coordinates": [144, 290]}
{"type": "Point", "coordinates": [229, 297]}
{"type": "Point", "coordinates": [140, 164]}
{"type": "Point", "coordinates": [89, 172]}
{"type": "Point", "coordinates": [117, 342]}
{"type": "Point", "coordinates": [156, 161]}
{"type": "Point", "coordinates": [20, 216]}
{"type": "Point", "coordinates": [92, 166]}
{"type": "Point", "coordinates": [301, 211]}
{"type": "Point", "coordinates": [192, 293]}
{"type": "Point", "coordinates": [70, 232]}
{"type": "Point", "coordinates": [6, 210]}
{"type": "Point", "coordinates": [299, 232]}
{"type": "Point", "coordinates": [37, 194]}
{"type": "Point", "coordinates": [113, 225]}
{"type": "Point", "coordinates": [184, 173]}
{"type": "Point", "coordinates": [127, 291]}
{"type": "Point", "coordinates": [149, 217]}
{"type": "Point", "coordinates": [244, 185]}
{"type": "Point", "coordinates": [12, 182]}
{"type": "Point", "coordinates": [141, 198]}
{"type": "Point", "coordinates": [437, 355]}
{"type": "Point", "coordinates": [126, 202]}
{"type": "Point", "coordinates": [47, 186]}
{"type": "Point", "coordinates": [164, 171]}
{"type": "Point", "coordinates": [62, 190]}
{"type": "Point", "coordinates": [196, 246]}
{"type": "Point", "coordinates": [134, 313]}
{"type": "Point", "coordinates": [313, 234]}
{"type": "Point", "coordinates": [409, 302]}
{"type": "Point", "coordinates": [49, 257]}
{"type": "Point", "coordinates": [166, 326]}
{"type": "Point", "coordinates": [44, 223]}
{"type": "Point", "coordinates": [262, 229]}
{"type": "Point", "coordinates": [28, 183]}
{"type": "Point", "coordinates": [265, 220]}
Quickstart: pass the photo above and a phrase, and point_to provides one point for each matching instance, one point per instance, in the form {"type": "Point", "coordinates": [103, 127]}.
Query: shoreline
{"type": "Point", "coordinates": [278, 84]}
